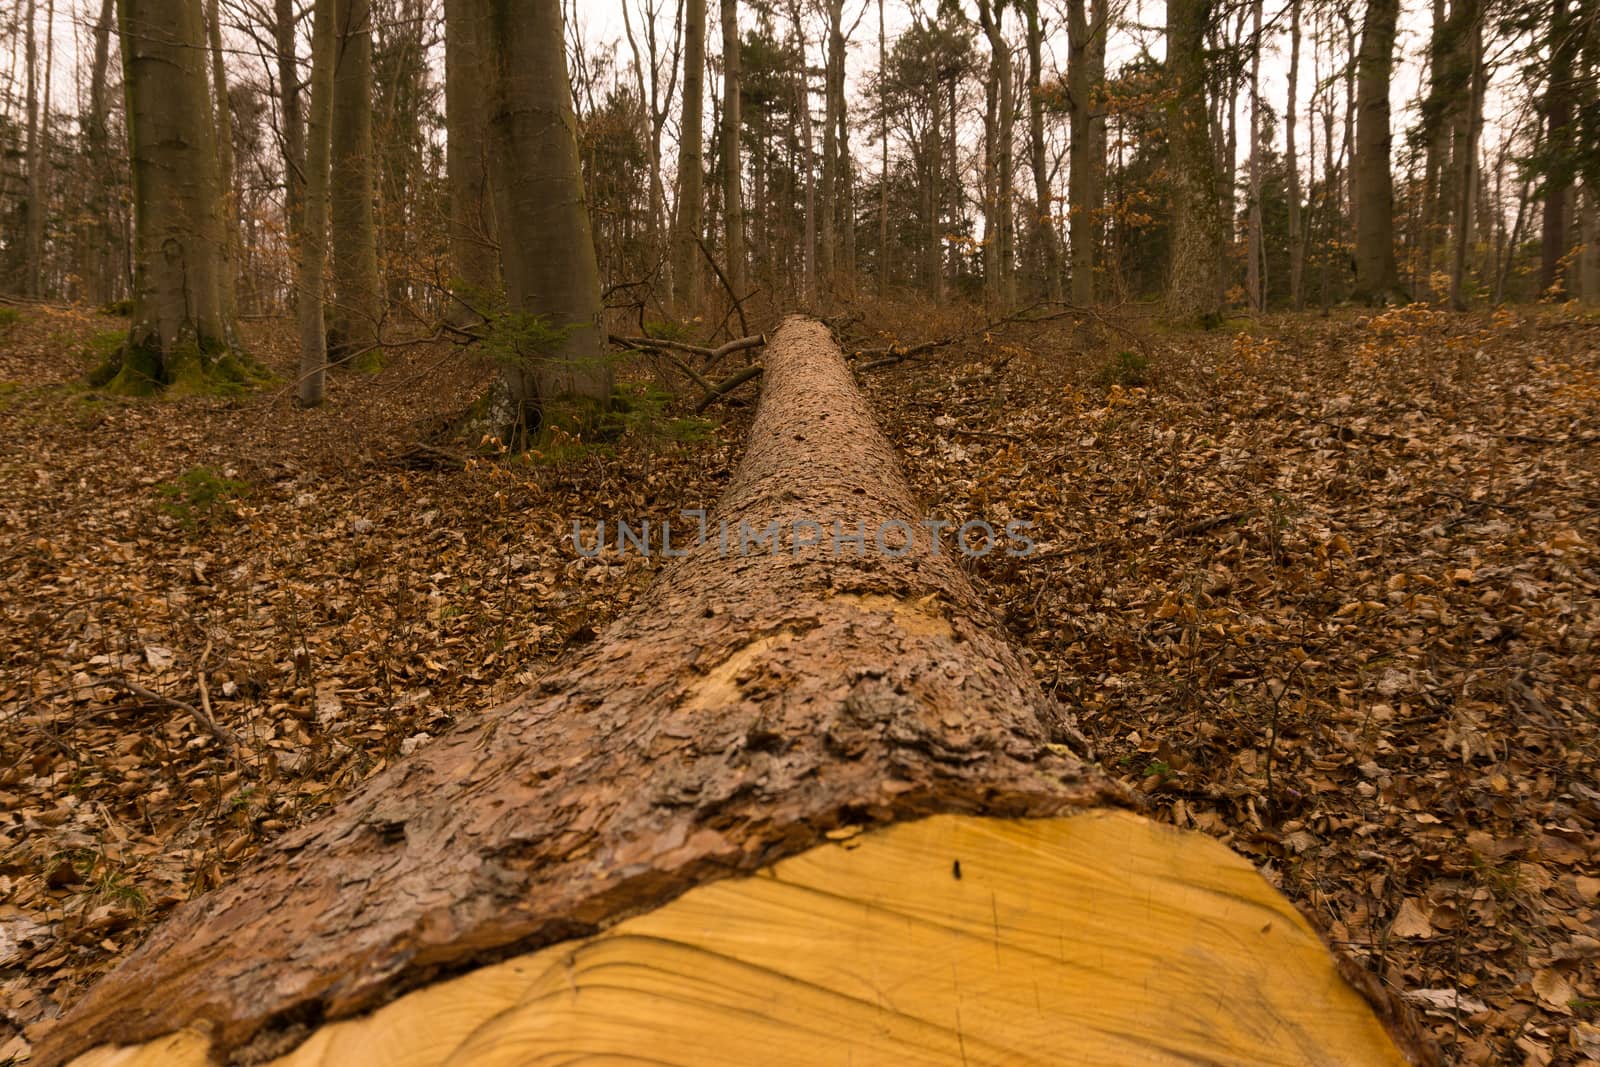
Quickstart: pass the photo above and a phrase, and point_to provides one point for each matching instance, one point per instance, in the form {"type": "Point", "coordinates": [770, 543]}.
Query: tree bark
{"type": "Point", "coordinates": [732, 173]}
{"type": "Point", "coordinates": [474, 254]}
{"type": "Point", "coordinates": [1377, 273]}
{"type": "Point", "coordinates": [229, 204]}
{"type": "Point", "coordinates": [884, 263]}
{"type": "Point", "coordinates": [557, 374]}
{"type": "Point", "coordinates": [1589, 234]}
{"type": "Point", "coordinates": [178, 321]}
{"type": "Point", "coordinates": [1468, 122]}
{"type": "Point", "coordinates": [1558, 149]}
{"type": "Point", "coordinates": [312, 261]}
{"type": "Point", "coordinates": [294, 128]}
{"type": "Point", "coordinates": [1044, 228]}
{"type": "Point", "coordinates": [752, 707]}
{"type": "Point", "coordinates": [1255, 284]}
{"type": "Point", "coordinates": [94, 233]}
{"type": "Point", "coordinates": [686, 271]}
{"type": "Point", "coordinates": [1297, 236]}
{"type": "Point", "coordinates": [1194, 287]}
{"type": "Point", "coordinates": [989, 17]}
{"type": "Point", "coordinates": [357, 306]}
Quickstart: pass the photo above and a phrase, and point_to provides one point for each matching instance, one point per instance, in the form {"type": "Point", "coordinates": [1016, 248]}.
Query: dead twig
{"type": "Point", "coordinates": [225, 737]}
{"type": "Point", "coordinates": [728, 385]}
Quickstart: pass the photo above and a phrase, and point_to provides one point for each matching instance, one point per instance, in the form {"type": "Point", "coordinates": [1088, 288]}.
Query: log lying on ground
{"type": "Point", "coordinates": [798, 807]}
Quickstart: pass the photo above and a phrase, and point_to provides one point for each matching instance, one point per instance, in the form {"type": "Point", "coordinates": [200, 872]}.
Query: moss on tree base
{"type": "Point", "coordinates": [207, 367]}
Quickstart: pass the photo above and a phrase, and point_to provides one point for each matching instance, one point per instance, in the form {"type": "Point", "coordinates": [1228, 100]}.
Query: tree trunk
{"type": "Point", "coordinates": [178, 326]}
{"type": "Point", "coordinates": [828, 202]}
{"type": "Point", "coordinates": [1194, 287]}
{"type": "Point", "coordinates": [1557, 106]}
{"type": "Point", "coordinates": [686, 271]}
{"type": "Point", "coordinates": [1589, 234]}
{"type": "Point", "coordinates": [94, 232]}
{"type": "Point", "coordinates": [229, 204]}
{"type": "Point", "coordinates": [692, 771]}
{"type": "Point", "coordinates": [38, 150]}
{"type": "Point", "coordinates": [1468, 122]}
{"type": "Point", "coordinates": [1044, 229]}
{"type": "Point", "coordinates": [1255, 284]}
{"type": "Point", "coordinates": [1377, 274]}
{"type": "Point", "coordinates": [1297, 236]}
{"type": "Point", "coordinates": [294, 129]}
{"type": "Point", "coordinates": [1005, 136]}
{"type": "Point", "coordinates": [357, 308]}
{"type": "Point", "coordinates": [883, 148]}
{"type": "Point", "coordinates": [474, 255]}
{"type": "Point", "coordinates": [732, 186]}
{"type": "Point", "coordinates": [558, 375]}
{"type": "Point", "coordinates": [802, 104]}
{"type": "Point", "coordinates": [312, 261]}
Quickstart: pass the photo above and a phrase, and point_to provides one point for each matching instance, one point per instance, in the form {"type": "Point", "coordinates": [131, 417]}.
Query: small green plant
{"type": "Point", "coordinates": [1157, 769]}
{"type": "Point", "coordinates": [1126, 369]}
{"type": "Point", "coordinates": [197, 496]}
{"type": "Point", "coordinates": [9, 317]}
{"type": "Point", "coordinates": [121, 308]}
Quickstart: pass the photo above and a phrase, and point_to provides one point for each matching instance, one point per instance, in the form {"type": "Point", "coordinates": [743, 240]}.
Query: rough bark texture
{"type": "Point", "coordinates": [1377, 273]}
{"type": "Point", "coordinates": [555, 366]}
{"type": "Point", "coordinates": [353, 234]}
{"type": "Point", "coordinates": [748, 706]}
{"type": "Point", "coordinates": [474, 258]}
{"type": "Point", "coordinates": [177, 311]}
{"type": "Point", "coordinates": [690, 222]}
{"type": "Point", "coordinates": [1194, 280]}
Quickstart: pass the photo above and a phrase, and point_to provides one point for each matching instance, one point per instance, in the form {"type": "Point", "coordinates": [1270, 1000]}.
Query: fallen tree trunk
{"type": "Point", "coordinates": [944, 879]}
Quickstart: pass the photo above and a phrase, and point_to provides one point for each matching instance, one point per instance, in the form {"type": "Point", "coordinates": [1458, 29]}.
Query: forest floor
{"type": "Point", "coordinates": [1327, 589]}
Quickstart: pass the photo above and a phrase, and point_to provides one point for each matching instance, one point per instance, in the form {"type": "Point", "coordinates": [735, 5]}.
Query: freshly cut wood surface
{"type": "Point", "coordinates": [1094, 939]}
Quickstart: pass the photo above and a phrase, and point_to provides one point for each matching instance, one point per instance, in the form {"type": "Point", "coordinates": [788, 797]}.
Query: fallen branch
{"type": "Point", "coordinates": [712, 355]}
{"type": "Point", "coordinates": [738, 301]}
{"type": "Point", "coordinates": [728, 385]}
{"type": "Point", "coordinates": [225, 737]}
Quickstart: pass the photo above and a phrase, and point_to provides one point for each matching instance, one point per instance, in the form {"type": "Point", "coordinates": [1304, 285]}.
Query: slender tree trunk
{"type": "Point", "coordinates": [686, 270]}
{"type": "Point", "coordinates": [561, 378]}
{"type": "Point", "coordinates": [1194, 288]}
{"type": "Point", "coordinates": [1557, 106]}
{"type": "Point", "coordinates": [1044, 230]}
{"type": "Point", "coordinates": [884, 263]}
{"type": "Point", "coordinates": [655, 234]}
{"type": "Point", "coordinates": [1589, 234]}
{"type": "Point", "coordinates": [33, 247]}
{"type": "Point", "coordinates": [1469, 123]}
{"type": "Point", "coordinates": [313, 230]}
{"type": "Point", "coordinates": [828, 206]}
{"type": "Point", "coordinates": [1005, 136]}
{"type": "Point", "coordinates": [474, 255]}
{"type": "Point", "coordinates": [357, 307]}
{"type": "Point", "coordinates": [1254, 245]}
{"type": "Point", "coordinates": [94, 233]}
{"type": "Point", "coordinates": [1377, 274]}
{"type": "Point", "coordinates": [808, 250]}
{"type": "Point", "coordinates": [229, 205]}
{"type": "Point", "coordinates": [732, 191]}
{"type": "Point", "coordinates": [294, 128]}
{"type": "Point", "coordinates": [1297, 237]}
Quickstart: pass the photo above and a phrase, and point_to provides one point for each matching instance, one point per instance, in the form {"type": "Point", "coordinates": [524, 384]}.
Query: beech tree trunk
{"type": "Point", "coordinates": [357, 306]}
{"type": "Point", "coordinates": [179, 326]}
{"type": "Point", "coordinates": [1377, 273]}
{"type": "Point", "coordinates": [33, 237]}
{"type": "Point", "coordinates": [732, 173]}
{"type": "Point", "coordinates": [1559, 149]}
{"type": "Point", "coordinates": [558, 375]}
{"type": "Point", "coordinates": [1086, 160]}
{"type": "Point", "coordinates": [1194, 280]}
{"type": "Point", "coordinates": [229, 206]}
{"type": "Point", "coordinates": [312, 261]}
{"type": "Point", "coordinates": [1297, 236]}
{"type": "Point", "coordinates": [293, 120]}
{"type": "Point", "coordinates": [755, 706]}
{"type": "Point", "coordinates": [1005, 137]}
{"type": "Point", "coordinates": [94, 230]}
{"type": "Point", "coordinates": [1044, 227]}
{"type": "Point", "coordinates": [690, 224]}
{"type": "Point", "coordinates": [1589, 234]}
{"type": "Point", "coordinates": [474, 255]}
{"type": "Point", "coordinates": [1255, 248]}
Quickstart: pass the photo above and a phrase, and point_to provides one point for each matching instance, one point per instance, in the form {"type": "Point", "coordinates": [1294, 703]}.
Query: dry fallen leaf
{"type": "Point", "coordinates": [1410, 921]}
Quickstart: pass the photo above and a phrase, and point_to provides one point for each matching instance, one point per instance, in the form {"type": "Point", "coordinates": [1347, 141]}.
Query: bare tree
{"type": "Point", "coordinates": [357, 307]}
{"type": "Point", "coordinates": [1377, 274]}
{"type": "Point", "coordinates": [732, 191]}
{"type": "Point", "coordinates": [1194, 286]}
{"type": "Point", "coordinates": [313, 230]}
{"type": "Point", "coordinates": [474, 258]}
